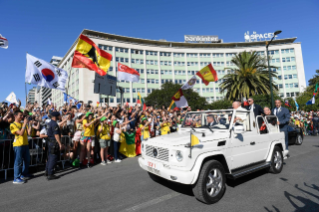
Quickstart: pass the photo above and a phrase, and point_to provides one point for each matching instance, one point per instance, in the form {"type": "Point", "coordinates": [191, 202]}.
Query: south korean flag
{"type": "Point", "coordinates": [44, 74]}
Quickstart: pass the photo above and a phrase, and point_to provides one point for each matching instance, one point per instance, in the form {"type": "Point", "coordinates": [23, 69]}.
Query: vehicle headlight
{"type": "Point", "coordinates": [179, 156]}
{"type": "Point", "coordinates": [142, 147]}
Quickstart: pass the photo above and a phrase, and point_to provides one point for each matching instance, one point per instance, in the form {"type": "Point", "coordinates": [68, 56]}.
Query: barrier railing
{"type": "Point", "coordinates": [38, 153]}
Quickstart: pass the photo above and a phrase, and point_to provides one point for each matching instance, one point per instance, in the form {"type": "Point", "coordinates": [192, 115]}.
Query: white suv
{"type": "Point", "coordinates": [226, 143]}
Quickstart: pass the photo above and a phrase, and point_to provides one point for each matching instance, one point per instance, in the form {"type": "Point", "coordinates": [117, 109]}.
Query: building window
{"type": "Point", "coordinates": [178, 54]}
{"type": "Point", "coordinates": [151, 53]}
{"type": "Point", "coordinates": [165, 54]}
{"type": "Point", "coordinates": [218, 55]}
{"type": "Point", "coordinates": [135, 51]}
{"type": "Point", "coordinates": [230, 54]}
{"type": "Point", "coordinates": [205, 55]}
{"type": "Point", "coordinates": [191, 54]}
{"type": "Point", "coordinates": [272, 52]}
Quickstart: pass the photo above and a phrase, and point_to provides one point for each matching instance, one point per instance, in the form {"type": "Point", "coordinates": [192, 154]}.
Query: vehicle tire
{"type": "Point", "coordinates": [210, 186]}
{"type": "Point", "coordinates": [154, 177]}
{"type": "Point", "coordinates": [299, 140]}
{"type": "Point", "coordinates": [277, 161]}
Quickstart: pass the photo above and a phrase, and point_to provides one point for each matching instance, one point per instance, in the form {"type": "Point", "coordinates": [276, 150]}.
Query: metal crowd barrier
{"type": "Point", "coordinates": [38, 153]}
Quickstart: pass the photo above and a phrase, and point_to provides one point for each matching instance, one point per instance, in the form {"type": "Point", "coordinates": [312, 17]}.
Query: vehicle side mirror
{"type": "Point", "coordinates": [238, 129]}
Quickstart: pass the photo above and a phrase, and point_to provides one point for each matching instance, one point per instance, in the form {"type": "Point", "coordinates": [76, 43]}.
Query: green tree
{"type": "Point", "coordinates": [220, 104]}
{"type": "Point", "coordinates": [164, 97]}
{"type": "Point", "coordinates": [251, 77]}
{"type": "Point", "coordinates": [314, 80]}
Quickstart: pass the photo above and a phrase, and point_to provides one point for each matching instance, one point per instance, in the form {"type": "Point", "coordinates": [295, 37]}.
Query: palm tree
{"type": "Point", "coordinates": [251, 77]}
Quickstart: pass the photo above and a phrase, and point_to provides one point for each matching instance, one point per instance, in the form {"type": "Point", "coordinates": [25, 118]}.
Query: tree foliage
{"type": "Point", "coordinates": [164, 97]}
{"type": "Point", "coordinates": [314, 80]}
{"type": "Point", "coordinates": [220, 104]}
{"type": "Point", "coordinates": [251, 77]}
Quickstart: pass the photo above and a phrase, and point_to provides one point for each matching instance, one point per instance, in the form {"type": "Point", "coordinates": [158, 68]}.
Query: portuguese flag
{"type": "Point", "coordinates": [172, 106]}
{"type": "Point", "coordinates": [140, 101]}
{"type": "Point", "coordinates": [179, 99]}
{"type": "Point", "coordinates": [208, 74]}
{"type": "Point", "coordinates": [128, 146]}
{"type": "Point", "coordinates": [316, 90]}
{"type": "Point", "coordinates": [88, 55]}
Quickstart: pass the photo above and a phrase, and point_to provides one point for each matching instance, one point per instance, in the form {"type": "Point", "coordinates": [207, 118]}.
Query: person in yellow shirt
{"type": "Point", "coordinates": [87, 137]}
{"type": "Point", "coordinates": [145, 131]}
{"type": "Point", "coordinates": [20, 148]}
{"type": "Point", "coordinates": [165, 127]}
{"type": "Point", "coordinates": [105, 139]}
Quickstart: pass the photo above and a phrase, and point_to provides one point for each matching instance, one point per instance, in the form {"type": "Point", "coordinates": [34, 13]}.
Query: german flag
{"type": "Point", "coordinates": [88, 55]}
{"type": "Point", "coordinates": [208, 74]}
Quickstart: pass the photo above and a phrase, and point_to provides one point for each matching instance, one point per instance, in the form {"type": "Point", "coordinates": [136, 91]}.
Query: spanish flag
{"type": "Point", "coordinates": [140, 100]}
{"type": "Point", "coordinates": [208, 74]}
{"type": "Point", "coordinates": [88, 55]}
{"type": "Point", "coordinates": [179, 99]}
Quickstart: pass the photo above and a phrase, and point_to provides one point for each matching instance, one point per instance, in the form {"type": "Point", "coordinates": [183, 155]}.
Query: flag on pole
{"type": "Point", "coordinates": [172, 106]}
{"type": "Point", "coordinates": [97, 104]}
{"type": "Point", "coordinates": [316, 90]}
{"type": "Point", "coordinates": [67, 99]}
{"type": "Point", "coordinates": [246, 104]}
{"type": "Point", "coordinates": [140, 101]}
{"type": "Point", "coordinates": [297, 106]}
{"type": "Point", "coordinates": [194, 140]}
{"type": "Point", "coordinates": [49, 101]}
{"type": "Point", "coordinates": [311, 101]}
{"type": "Point", "coordinates": [179, 99]}
{"type": "Point", "coordinates": [3, 42]}
{"type": "Point", "coordinates": [287, 103]}
{"type": "Point", "coordinates": [208, 74]}
{"type": "Point", "coordinates": [126, 73]}
{"type": "Point", "coordinates": [44, 74]}
{"type": "Point", "coordinates": [190, 83]}
{"type": "Point", "coordinates": [12, 98]}
{"type": "Point", "coordinates": [88, 55]}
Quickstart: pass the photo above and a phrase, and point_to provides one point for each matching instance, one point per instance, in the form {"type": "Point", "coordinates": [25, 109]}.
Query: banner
{"type": "Point", "coordinates": [12, 98]}
{"type": "Point", "coordinates": [190, 83]}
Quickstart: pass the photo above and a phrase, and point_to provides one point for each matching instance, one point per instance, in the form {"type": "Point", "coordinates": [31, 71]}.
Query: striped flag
{"type": "Point", "coordinates": [140, 101]}
{"type": "Point", "coordinates": [208, 74]}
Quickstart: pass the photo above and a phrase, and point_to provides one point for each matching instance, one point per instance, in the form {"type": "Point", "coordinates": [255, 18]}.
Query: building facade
{"type": "Point", "coordinates": [163, 61]}
{"type": "Point", "coordinates": [31, 95]}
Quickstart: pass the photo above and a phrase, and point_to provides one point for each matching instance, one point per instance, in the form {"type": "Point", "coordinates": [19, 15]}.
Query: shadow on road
{"type": "Point", "coordinates": [180, 188]}
{"type": "Point", "coordinates": [234, 183]}
{"type": "Point", "coordinates": [301, 203]}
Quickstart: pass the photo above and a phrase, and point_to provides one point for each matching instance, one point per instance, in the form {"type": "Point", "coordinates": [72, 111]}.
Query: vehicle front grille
{"type": "Point", "coordinates": [162, 153]}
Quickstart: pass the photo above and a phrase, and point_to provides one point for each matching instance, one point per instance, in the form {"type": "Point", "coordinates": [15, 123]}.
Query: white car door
{"type": "Point", "coordinates": [264, 139]}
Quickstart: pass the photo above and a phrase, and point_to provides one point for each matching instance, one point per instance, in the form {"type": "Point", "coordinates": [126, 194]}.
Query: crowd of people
{"type": "Point", "coordinates": [82, 129]}
{"type": "Point", "coordinates": [86, 127]}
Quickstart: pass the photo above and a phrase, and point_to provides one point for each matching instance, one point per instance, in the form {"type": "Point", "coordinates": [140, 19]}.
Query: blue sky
{"type": "Point", "coordinates": [46, 28]}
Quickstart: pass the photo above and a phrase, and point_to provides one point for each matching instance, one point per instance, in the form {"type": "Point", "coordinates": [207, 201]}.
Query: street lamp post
{"type": "Point", "coordinates": [270, 78]}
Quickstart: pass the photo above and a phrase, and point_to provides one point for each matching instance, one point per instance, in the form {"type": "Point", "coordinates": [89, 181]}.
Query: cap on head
{"type": "Point", "coordinates": [55, 114]}
{"type": "Point", "coordinates": [88, 113]}
{"type": "Point", "coordinates": [114, 123]}
{"type": "Point", "coordinates": [143, 119]}
{"type": "Point", "coordinates": [103, 118]}
{"type": "Point", "coordinates": [79, 115]}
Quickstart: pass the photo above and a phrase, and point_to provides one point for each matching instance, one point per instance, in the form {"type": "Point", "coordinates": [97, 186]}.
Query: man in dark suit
{"type": "Point", "coordinates": [256, 109]}
{"type": "Point", "coordinates": [210, 120]}
{"type": "Point", "coordinates": [283, 116]}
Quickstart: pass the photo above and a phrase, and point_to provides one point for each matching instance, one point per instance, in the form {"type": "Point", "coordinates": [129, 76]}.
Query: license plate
{"type": "Point", "coordinates": [153, 167]}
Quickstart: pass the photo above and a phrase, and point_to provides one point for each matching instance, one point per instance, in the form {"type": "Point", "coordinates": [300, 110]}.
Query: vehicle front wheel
{"type": "Point", "coordinates": [277, 161]}
{"type": "Point", "coordinates": [299, 140]}
{"type": "Point", "coordinates": [210, 186]}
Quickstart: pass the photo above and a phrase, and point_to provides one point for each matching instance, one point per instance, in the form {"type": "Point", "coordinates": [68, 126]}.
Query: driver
{"type": "Point", "coordinates": [210, 121]}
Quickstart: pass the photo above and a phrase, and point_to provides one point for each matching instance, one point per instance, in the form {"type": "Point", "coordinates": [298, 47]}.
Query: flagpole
{"type": "Point", "coordinates": [25, 83]}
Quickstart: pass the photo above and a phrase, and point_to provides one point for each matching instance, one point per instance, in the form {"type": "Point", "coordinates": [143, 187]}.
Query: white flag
{"type": "Point", "coordinates": [49, 101]}
{"type": "Point", "coordinates": [3, 42]}
{"type": "Point", "coordinates": [44, 74]}
{"type": "Point", "coordinates": [190, 83]}
{"type": "Point", "coordinates": [12, 98]}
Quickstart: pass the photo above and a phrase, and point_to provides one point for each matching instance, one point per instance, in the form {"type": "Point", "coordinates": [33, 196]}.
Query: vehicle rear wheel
{"type": "Point", "coordinates": [277, 161]}
{"type": "Point", "coordinates": [299, 140]}
{"type": "Point", "coordinates": [210, 186]}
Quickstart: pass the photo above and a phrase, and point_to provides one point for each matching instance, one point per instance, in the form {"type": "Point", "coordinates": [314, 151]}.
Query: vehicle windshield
{"type": "Point", "coordinates": [208, 119]}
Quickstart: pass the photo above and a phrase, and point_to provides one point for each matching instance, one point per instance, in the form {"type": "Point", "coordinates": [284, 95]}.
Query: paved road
{"type": "Point", "coordinates": [125, 187]}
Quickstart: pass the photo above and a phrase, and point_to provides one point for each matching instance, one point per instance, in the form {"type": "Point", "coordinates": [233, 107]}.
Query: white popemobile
{"type": "Point", "coordinates": [232, 143]}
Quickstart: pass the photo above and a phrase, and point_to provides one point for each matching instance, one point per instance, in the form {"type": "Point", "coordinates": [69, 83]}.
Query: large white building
{"type": "Point", "coordinates": [160, 61]}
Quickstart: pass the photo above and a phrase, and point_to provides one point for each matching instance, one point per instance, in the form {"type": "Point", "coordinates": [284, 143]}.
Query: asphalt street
{"type": "Point", "coordinates": [126, 187]}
